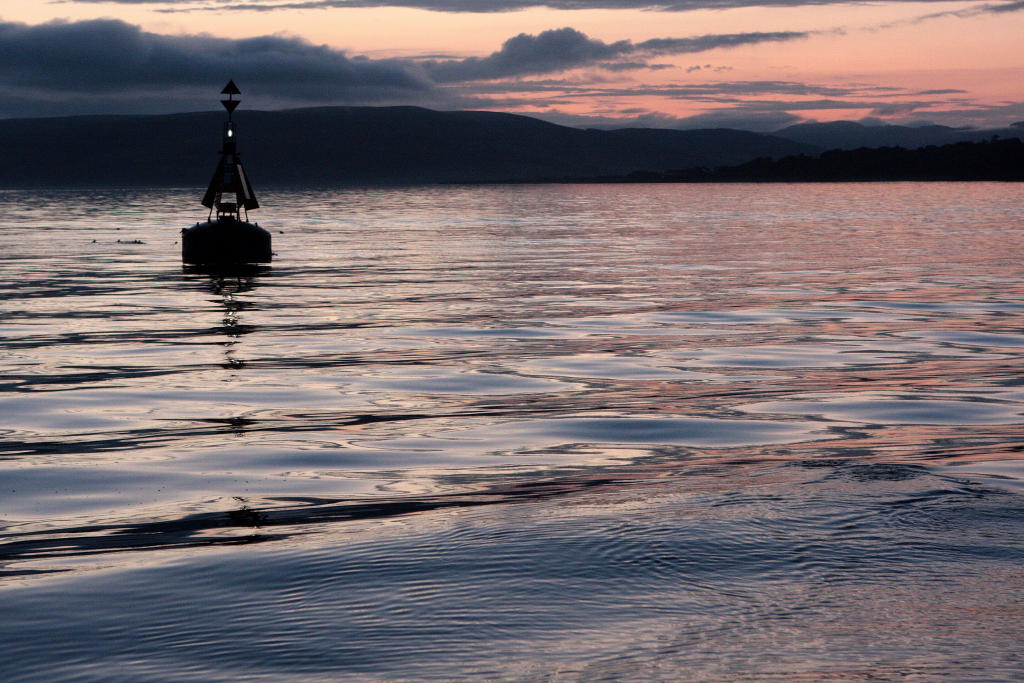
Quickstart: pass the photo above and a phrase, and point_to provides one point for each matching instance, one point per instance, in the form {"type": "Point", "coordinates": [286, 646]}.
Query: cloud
{"type": "Point", "coordinates": [560, 49]}
{"type": "Point", "coordinates": [707, 67]}
{"type": "Point", "coordinates": [107, 65]}
{"type": "Point", "coordinates": [712, 92]}
{"type": "Point", "coordinates": [1003, 8]}
{"type": "Point", "coordinates": [772, 115]}
{"type": "Point", "coordinates": [743, 120]}
{"type": "Point", "coordinates": [555, 50]}
{"type": "Point", "coordinates": [567, 48]}
{"type": "Point", "coordinates": [107, 57]}
{"type": "Point", "coordinates": [750, 105]}
{"type": "Point", "coordinates": [768, 101]}
{"type": "Point", "coordinates": [895, 108]}
{"type": "Point", "coordinates": [978, 115]}
{"type": "Point", "coordinates": [492, 6]}
{"type": "Point", "coordinates": [976, 10]}
{"type": "Point", "coordinates": [678, 46]}
{"type": "Point", "coordinates": [634, 66]}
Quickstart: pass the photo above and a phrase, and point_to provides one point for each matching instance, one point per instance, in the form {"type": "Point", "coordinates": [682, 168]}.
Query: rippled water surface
{"type": "Point", "coordinates": [522, 433]}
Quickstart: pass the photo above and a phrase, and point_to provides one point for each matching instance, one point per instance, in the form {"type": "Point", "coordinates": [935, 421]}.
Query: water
{"type": "Point", "coordinates": [657, 432]}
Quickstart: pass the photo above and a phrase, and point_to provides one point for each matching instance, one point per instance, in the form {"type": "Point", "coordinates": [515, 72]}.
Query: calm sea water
{"type": "Point", "coordinates": [521, 433]}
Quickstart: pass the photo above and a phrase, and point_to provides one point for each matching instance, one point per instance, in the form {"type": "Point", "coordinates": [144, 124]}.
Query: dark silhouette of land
{"type": "Point", "coordinates": [851, 135]}
{"type": "Point", "coordinates": [331, 146]}
{"type": "Point", "coordinates": [354, 145]}
{"type": "Point", "coordinates": [996, 159]}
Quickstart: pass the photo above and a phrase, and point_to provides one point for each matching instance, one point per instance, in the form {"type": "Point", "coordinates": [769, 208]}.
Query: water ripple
{"type": "Point", "coordinates": [517, 433]}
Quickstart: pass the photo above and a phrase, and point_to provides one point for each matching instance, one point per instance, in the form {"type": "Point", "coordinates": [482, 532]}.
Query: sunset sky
{"type": "Point", "coordinates": [756, 64]}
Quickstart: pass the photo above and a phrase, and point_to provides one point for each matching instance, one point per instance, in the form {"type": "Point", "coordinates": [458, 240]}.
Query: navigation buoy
{"type": "Point", "coordinates": [228, 237]}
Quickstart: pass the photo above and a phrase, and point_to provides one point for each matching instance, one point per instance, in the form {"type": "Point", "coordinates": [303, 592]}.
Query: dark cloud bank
{"type": "Point", "coordinates": [490, 6]}
{"type": "Point", "coordinates": [109, 66]}
{"type": "Point", "coordinates": [112, 63]}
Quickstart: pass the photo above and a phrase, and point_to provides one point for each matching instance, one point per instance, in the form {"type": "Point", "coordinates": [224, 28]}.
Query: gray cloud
{"type": "Point", "coordinates": [555, 50]}
{"type": "Point", "coordinates": [758, 115]}
{"type": "Point", "coordinates": [771, 115]}
{"type": "Point", "coordinates": [728, 118]}
{"type": "Point", "coordinates": [107, 65]}
{"type": "Point", "coordinates": [633, 66]}
{"type": "Point", "coordinates": [567, 48]}
{"type": "Point", "coordinates": [707, 67]}
{"type": "Point", "coordinates": [977, 116]}
{"type": "Point", "coordinates": [721, 91]}
{"type": "Point", "coordinates": [750, 105]}
{"type": "Point", "coordinates": [764, 122]}
{"type": "Point", "coordinates": [677, 46]}
{"type": "Point", "coordinates": [895, 108]}
{"type": "Point", "coordinates": [107, 56]}
{"type": "Point", "coordinates": [825, 104]}
{"type": "Point", "coordinates": [1004, 7]}
{"type": "Point", "coordinates": [490, 6]}
{"type": "Point", "coordinates": [963, 13]}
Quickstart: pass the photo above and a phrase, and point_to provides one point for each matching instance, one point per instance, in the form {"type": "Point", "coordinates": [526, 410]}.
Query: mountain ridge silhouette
{"type": "Point", "coordinates": [353, 146]}
{"type": "Point", "coordinates": [338, 146]}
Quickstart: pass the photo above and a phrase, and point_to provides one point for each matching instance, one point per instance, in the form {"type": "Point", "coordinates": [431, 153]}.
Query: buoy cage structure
{"type": "Point", "coordinates": [227, 237]}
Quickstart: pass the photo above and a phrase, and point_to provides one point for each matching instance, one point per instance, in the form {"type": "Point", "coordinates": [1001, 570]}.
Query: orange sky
{"type": "Point", "coordinates": [880, 59]}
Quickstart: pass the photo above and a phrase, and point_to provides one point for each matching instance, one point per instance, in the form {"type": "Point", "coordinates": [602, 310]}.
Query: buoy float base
{"type": "Point", "coordinates": [225, 241]}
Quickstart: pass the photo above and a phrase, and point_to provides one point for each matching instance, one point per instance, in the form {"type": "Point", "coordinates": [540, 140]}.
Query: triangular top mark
{"type": "Point", "coordinates": [231, 89]}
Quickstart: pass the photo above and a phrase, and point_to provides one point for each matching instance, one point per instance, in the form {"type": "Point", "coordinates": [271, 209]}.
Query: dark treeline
{"type": "Point", "coordinates": [989, 160]}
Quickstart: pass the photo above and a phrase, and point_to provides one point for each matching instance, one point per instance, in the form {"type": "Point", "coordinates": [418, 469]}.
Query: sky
{"type": "Point", "coordinates": [753, 64]}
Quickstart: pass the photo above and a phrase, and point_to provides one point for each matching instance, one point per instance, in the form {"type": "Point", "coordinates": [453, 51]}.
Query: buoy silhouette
{"type": "Point", "coordinates": [227, 237]}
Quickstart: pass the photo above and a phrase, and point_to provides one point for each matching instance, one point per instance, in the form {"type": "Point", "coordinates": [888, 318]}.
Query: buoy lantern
{"type": "Point", "coordinates": [227, 237]}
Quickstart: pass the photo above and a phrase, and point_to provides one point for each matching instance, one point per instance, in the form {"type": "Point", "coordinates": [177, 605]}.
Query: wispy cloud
{"type": "Point", "coordinates": [970, 12]}
{"type": "Point", "coordinates": [712, 92]}
{"type": "Point", "coordinates": [707, 67]}
{"type": "Point", "coordinates": [492, 6]}
{"type": "Point", "coordinates": [567, 48]}
{"type": "Point", "coordinates": [726, 118]}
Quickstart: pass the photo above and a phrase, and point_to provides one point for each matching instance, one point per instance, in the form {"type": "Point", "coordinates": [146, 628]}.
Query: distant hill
{"type": "Point", "coordinates": [851, 135]}
{"type": "Point", "coordinates": [1001, 160]}
{"type": "Point", "coordinates": [354, 145]}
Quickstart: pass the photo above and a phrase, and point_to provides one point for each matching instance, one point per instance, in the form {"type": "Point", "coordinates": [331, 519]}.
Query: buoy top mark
{"type": "Point", "coordinates": [229, 180]}
{"type": "Point", "coordinates": [230, 103]}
